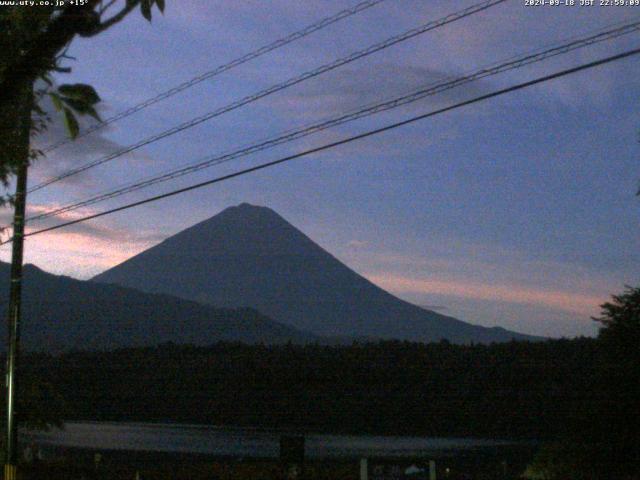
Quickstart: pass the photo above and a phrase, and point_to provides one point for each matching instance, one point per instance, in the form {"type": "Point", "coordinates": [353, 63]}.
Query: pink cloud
{"type": "Point", "coordinates": [78, 254]}
{"type": "Point", "coordinates": [80, 250]}
{"type": "Point", "coordinates": [572, 302]}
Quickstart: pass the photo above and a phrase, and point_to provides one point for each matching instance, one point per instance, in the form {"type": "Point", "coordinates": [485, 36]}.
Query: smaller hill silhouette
{"type": "Point", "coordinates": [60, 313]}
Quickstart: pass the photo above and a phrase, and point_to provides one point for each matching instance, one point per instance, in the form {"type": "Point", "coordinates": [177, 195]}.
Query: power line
{"type": "Point", "coordinates": [278, 87]}
{"type": "Point", "coordinates": [308, 30]}
{"type": "Point", "coordinates": [432, 89]}
{"type": "Point", "coordinates": [328, 146]}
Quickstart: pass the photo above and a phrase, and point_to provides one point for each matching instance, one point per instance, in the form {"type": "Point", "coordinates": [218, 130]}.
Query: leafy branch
{"type": "Point", "coordinates": [33, 45]}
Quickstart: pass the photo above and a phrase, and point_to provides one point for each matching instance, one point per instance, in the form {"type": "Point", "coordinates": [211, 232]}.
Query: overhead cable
{"type": "Point", "coordinates": [343, 141]}
{"type": "Point", "coordinates": [276, 88]}
{"type": "Point", "coordinates": [432, 89]}
{"type": "Point", "coordinates": [314, 27]}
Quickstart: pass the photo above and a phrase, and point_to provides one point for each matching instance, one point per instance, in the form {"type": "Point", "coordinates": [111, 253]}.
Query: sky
{"type": "Point", "coordinates": [518, 212]}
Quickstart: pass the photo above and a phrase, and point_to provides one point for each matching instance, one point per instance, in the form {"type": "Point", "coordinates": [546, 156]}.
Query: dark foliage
{"type": "Point", "coordinates": [515, 390]}
{"type": "Point", "coordinates": [602, 439]}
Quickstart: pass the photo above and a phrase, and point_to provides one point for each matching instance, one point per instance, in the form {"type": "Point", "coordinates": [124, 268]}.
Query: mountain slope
{"type": "Point", "coordinates": [250, 256]}
{"type": "Point", "coordinates": [61, 313]}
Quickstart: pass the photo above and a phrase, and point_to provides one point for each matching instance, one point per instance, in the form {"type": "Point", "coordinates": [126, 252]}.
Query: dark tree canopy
{"type": "Point", "coordinates": [620, 319]}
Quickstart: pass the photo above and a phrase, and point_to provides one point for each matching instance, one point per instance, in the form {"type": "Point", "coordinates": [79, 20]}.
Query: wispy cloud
{"type": "Point", "coordinates": [73, 154]}
{"type": "Point", "coordinates": [352, 88]}
{"type": "Point", "coordinates": [357, 244]}
{"type": "Point", "coordinates": [434, 308]}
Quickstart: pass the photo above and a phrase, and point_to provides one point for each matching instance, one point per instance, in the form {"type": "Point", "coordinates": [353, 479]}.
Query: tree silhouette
{"type": "Point", "coordinates": [617, 423]}
{"type": "Point", "coordinates": [620, 332]}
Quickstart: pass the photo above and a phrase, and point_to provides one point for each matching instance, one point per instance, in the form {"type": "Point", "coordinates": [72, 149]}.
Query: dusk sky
{"type": "Point", "coordinates": [519, 211]}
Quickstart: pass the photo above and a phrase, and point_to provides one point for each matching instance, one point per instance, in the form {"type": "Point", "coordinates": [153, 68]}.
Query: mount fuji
{"type": "Point", "coordinates": [249, 256]}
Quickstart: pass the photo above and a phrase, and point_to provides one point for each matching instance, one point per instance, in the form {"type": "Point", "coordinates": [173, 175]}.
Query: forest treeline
{"type": "Point", "coordinates": [510, 390]}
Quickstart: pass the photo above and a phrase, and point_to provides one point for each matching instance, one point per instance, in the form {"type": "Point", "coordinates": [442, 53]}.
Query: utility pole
{"type": "Point", "coordinates": [15, 292]}
{"type": "Point", "coordinates": [15, 296]}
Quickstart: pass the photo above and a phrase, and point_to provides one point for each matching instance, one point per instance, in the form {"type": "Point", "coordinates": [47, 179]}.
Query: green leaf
{"type": "Point", "coordinates": [160, 5]}
{"type": "Point", "coordinates": [71, 123]}
{"type": "Point", "coordinates": [145, 8]}
{"type": "Point", "coordinates": [57, 101]}
{"type": "Point", "coordinates": [81, 107]}
{"type": "Point", "coordinates": [80, 91]}
{"type": "Point", "coordinates": [94, 114]}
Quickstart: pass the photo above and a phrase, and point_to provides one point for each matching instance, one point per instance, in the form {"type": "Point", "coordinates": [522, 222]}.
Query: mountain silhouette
{"type": "Point", "coordinates": [60, 313]}
{"type": "Point", "coordinates": [249, 256]}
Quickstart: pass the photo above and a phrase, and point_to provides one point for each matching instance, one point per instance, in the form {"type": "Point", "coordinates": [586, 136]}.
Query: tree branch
{"type": "Point", "coordinates": [106, 7]}
{"type": "Point", "coordinates": [39, 55]}
{"type": "Point", "coordinates": [115, 19]}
